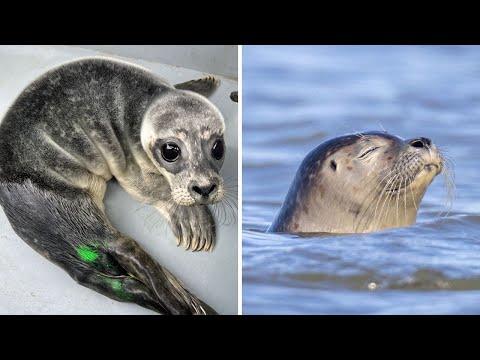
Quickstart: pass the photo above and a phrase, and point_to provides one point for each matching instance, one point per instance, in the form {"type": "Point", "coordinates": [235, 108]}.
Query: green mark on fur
{"type": "Point", "coordinates": [117, 286]}
{"type": "Point", "coordinates": [87, 254]}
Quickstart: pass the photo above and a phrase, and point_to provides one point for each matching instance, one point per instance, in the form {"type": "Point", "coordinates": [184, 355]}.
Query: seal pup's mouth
{"type": "Point", "coordinates": [398, 188]}
{"type": "Point", "coordinates": [402, 183]}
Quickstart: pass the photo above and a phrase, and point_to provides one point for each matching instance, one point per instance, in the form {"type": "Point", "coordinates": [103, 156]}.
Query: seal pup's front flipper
{"type": "Point", "coordinates": [205, 86]}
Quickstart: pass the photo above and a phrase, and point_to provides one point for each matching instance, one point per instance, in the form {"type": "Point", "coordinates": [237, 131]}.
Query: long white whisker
{"type": "Point", "coordinates": [388, 196]}
{"type": "Point", "coordinates": [369, 199]}
{"type": "Point", "coordinates": [405, 198]}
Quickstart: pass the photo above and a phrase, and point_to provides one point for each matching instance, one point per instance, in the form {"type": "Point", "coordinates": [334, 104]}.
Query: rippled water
{"type": "Point", "coordinates": [294, 98]}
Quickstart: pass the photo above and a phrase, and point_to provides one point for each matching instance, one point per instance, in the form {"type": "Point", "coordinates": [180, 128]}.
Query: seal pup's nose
{"type": "Point", "coordinates": [203, 191]}
{"type": "Point", "coordinates": [420, 142]}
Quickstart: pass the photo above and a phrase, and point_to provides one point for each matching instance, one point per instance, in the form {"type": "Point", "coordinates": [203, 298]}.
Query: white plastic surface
{"type": "Point", "coordinates": [216, 59]}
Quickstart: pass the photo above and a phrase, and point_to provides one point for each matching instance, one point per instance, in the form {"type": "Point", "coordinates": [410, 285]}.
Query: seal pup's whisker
{"type": "Point", "coordinates": [369, 198]}
{"type": "Point", "coordinates": [148, 217]}
{"type": "Point", "coordinates": [140, 208]}
{"type": "Point", "coordinates": [390, 171]}
{"type": "Point", "coordinates": [356, 132]}
{"type": "Point", "coordinates": [393, 194]}
{"type": "Point", "coordinates": [382, 196]}
{"type": "Point", "coordinates": [359, 134]}
{"type": "Point", "coordinates": [381, 126]}
{"type": "Point", "coordinates": [387, 195]}
{"type": "Point", "coordinates": [449, 180]}
{"type": "Point", "coordinates": [398, 200]}
{"type": "Point", "coordinates": [413, 199]}
{"type": "Point", "coordinates": [229, 207]}
{"type": "Point", "coordinates": [405, 200]}
{"type": "Point", "coordinates": [225, 210]}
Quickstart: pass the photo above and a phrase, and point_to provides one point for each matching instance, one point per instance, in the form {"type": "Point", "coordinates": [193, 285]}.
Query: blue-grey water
{"type": "Point", "coordinates": [296, 97]}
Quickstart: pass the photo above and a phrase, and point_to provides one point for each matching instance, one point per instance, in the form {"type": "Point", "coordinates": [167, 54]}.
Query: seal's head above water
{"type": "Point", "coordinates": [359, 183]}
{"type": "Point", "coordinates": [183, 135]}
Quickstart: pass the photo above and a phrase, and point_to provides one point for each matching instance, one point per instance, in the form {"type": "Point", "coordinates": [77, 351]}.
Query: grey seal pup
{"type": "Point", "coordinates": [90, 120]}
{"type": "Point", "coordinates": [359, 183]}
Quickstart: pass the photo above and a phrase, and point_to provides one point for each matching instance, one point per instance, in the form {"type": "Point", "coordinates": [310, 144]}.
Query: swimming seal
{"type": "Point", "coordinates": [93, 119]}
{"type": "Point", "coordinates": [359, 183]}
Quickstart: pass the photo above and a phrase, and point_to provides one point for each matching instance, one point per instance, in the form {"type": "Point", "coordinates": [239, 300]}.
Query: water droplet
{"type": "Point", "coordinates": [372, 286]}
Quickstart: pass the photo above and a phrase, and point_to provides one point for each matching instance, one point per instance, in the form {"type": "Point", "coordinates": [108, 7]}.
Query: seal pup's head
{"type": "Point", "coordinates": [183, 135]}
{"type": "Point", "coordinates": [360, 183]}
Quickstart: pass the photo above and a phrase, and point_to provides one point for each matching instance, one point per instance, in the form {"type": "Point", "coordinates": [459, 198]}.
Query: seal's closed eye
{"type": "Point", "coordinates": [368, 152]}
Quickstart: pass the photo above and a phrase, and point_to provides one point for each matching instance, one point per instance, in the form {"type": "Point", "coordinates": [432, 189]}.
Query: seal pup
{"type": "Point", "coordinates": [359, 183]}
{"type": "Point", "coordinates": [90, 120]}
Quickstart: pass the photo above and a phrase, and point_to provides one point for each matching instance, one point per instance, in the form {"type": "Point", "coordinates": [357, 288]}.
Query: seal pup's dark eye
{"type": "Point", "coordinates": [170, 152]}
{"type": "Point", "coordinates": [218, 149]}
{"type": "Point", "coordinates": [367, 152]}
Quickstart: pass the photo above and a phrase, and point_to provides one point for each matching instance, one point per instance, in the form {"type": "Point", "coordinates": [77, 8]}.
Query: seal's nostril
{"type": "Point", "coordinates": [420, 142]}
{"type": "Point", "coordinates": [416, 143]}
{"type": "Point", "coordinates": [212, 189]}
{"type": "Point", "coordinates": [426, 141]}
{"type": "Point", "coordinates": [204, 191]}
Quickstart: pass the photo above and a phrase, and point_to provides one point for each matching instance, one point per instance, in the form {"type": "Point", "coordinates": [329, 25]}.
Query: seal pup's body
{"type": "Point", "coordinates": [359, 183]}
{"type": "Point", "coordinates": [85, 122]}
